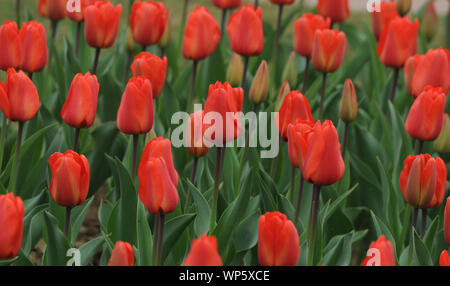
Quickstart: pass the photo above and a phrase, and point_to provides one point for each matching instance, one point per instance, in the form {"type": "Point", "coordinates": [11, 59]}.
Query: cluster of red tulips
{"type": "Point", "coordinates": [313, 144]}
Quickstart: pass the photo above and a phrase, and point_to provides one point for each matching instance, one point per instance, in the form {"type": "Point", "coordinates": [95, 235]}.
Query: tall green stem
{"type": "Point", "coordinates": [3, 140]}
{"type": "Point", "coordinates": [299, 199]}
{"type": "Point", "coordinates": [96, 59]}
{"type": "Point", "coordinates": [423, 226]}
{"type": "Point", "coordinates": [312, 225]}
{"type": "Point", "coordinates": [75, 139]}
{"type": "Point", "coordinates": [344, 141]}
{"type": "Point", "coordinates": [305, 75]}
{"type": "Point", "coordinates": [394, 84]}
{"type": "Point", "coordinates": [193, 83]}
{"type": "Point", "coordinates": [134, 159]}
{"type": "Point", "coordinates": [192, 179]}
{"type": "Point", "coordinates": [322, 95]}
{"type": "Point", "coordinates": [67, 222]}
{"type": "Point", "coordinates": [244, 75]}
{"type": "Point", "coordinates": [222, 24]}
{"type": "Point", "coordinates": [18, 12]}
{"type": "Point", "coordinates": [78, 36]}
{"type": "Point", "coordinates": [219, 162]}
{"type": "Point", "coordinates": [158, 236]}
{"type": "Point", "coordinates": [15, 167]}
{"type": "Point", "coordinates": [291, 195]}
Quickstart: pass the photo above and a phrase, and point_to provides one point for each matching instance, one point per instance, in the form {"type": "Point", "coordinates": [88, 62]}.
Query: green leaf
{"type": "Point", "coordinates": [57, 245]}
{"type": "Point", "coordinates": [246, 234]}
{"type": "Point", "coordinates": [201, 224]}
{"type": "Point", "coordinates": [89, 249]}
{"type": "Point", "coordinates": [144, 237]}
{"type": "Point", "coordinates": [421, 252]}
{"type": "Point", "coordinates": [172, 232]}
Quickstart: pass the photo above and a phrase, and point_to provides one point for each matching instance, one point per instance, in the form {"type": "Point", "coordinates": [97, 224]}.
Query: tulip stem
{"type": "Point", "coordinates": [18, 12]}
{"type": "Point", "coordinates": [134, 159]}
{"type": "Point", "coordinates": [423, 228]}
{"type": "Point", "coordinates": [158, 236]}
{"type": "Point", "coordinates": [276, 42]}
{"type": "Point", "coordinates": [411, 236]}
{"type": "Point", "coordinates": [144, 48]}
{"type": "Point", "coordinates": [194, 81]}
{"type": "Point", "coordinates": [97, 56]}
{"type": "Point", "coordinates": [77, 41]}
{"type": "Point", "coordinates": [192, 179]}
{"type": "Point", "coordinates": [222, 25]}
{"type": "Point", "coordinates": [162, 52]}
{"type": "Point", "coordinates": [30, 75]}
{"type": "Point", "coordinates": [419, 147]}
{"type": "Point", "coordinates": [291, 195]}
{"type": "Point", "coordinates": [322, 95]}
{"type": "Point", "coordinates": [305, 75]}
{"type": "Point", "coordinates": [394, 84]}
{"type": "Point", "coordinates": [256, 3]}
{"type": "Point", "coordinates": [344, 141]}
{"type": "Point", "coordinates": [126, 72]}
{"type": "Point", "coordinates": [67, 223]}
{"type": "Point", "coordinates": [273, 168]}
{"type": "Point", "coordinates": [312, 225]}
{"type": "Point", "coordinates": [2, 140]}
{"type": "Point", "coordinates": [299, 199]}
{"type": "Point", "coordinates": [220, 154]}
{"type": "Point", "coordinates": [15, 167]}
{"type": "Point", "coordinates": [75, 139]}
{"type": "Point", "coordinates": [244, 75]}
{"type": "Point", "coordinates": [54, 26]}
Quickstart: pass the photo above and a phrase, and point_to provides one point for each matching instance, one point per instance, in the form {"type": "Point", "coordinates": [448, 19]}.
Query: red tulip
{"type": "Point", "coordinates": [387, 12]}
{"type": "Point", "coordinates": [423, 180]}
{"type": "Point", "coordinates": [70, 178]}
{"type": "Point", "coordinates": [245, 31]}
{"type": "Point", "coordinates": [19, 99]}
{"type": "Point", "coordinates": [433, 69]}
{"type": "Point", "coordinates": [203, 252]}
{"type": "Point", "coordinates": [135, 115]}
{"type": "Point", "coordinates": [398, 41]}
{"type": "Point", "coordinates": [278, 242]}
{"type": "Point", "coordinates": [55, 10]}
{"type": "Point", "coordinates": [328, 50]}
{"type": "Point", "coordinates": [11, 224]}
{"type": "Point", "coordinates": [77, 15]}
{"type": "Point", "coordinates": [152, 67]}
{"type": "Point", "coordinates": [447, 222]}
{"type": "Point", "coordinates": [201, 35]}
{"type": "Point", "coordinates": [195, 143]}
{"type": "Point", "coordinates": [380, 253]}
{"type": "Point", "coordinates": [444, 259]}
{"type": "Point", "coordinates": [226, 102]}
{"type": "Point", "coordinates": [11, 50]}
{"type": "Point", "coordinates": [426, 115]}
{"type": "Point", "coordinates": [80, 107]}
{"type": "Point", "coordinates": [282, 2]}
{"type": "Point", "coordinates": [227, 4]}
{"type": "Point", "coordinates": [336, 10]}
{"type": "Point", "coordinates": [158, 178]}
{"type": "Point", "coordinates": [148, 21]}
{"type": "Point", "coordinates": [122, 255]}
{"type": "Point", "coordinates": [305, 28]}
{"type": "Point", "coordinates": [295, 105]}
{"type": "Point", "coordinates": [34, 47]}
{"type": "Point", "coordinates": [299, 134]}
{"type": "Point", "coordinates": [101, 23]}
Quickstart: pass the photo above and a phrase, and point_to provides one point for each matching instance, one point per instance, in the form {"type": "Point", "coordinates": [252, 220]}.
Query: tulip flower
{"type": "Point", "coordinates": [278, 240]}
{"type": "Point", "coordinates": [196, 145]}
{"type": "Point", "coordinates": [336, 10]}
{"type": "Point", "coordinates": [442, 143]}
{"type": "Point", "coordinates": [227, 4]}
{"type": "Point", "coordinates": [235, 70]}
{"type": "Point", "coordinates": [429, 69]}
{"type": "Point", "coordinates": [426, 116]}
{"type": "Point", "coordinates": [203, 252]}
{"type": "Point", "coordinates": [11, 50]}
{"type": "Point", "coordinates": [444, 259]}
{"type": "Point", "coordinates": [260, 85]}
{"type": "Point", "coordinates": [147, 22]}
{"type": "Point", "coordinates": [75, 12]}
{"type": "Point", "coordinates": [348, 108]}
{"type": "Point", "coordinates": [11, 224]}
{"type": "Point", "coordinates": [34, 47]}
{"type": "Point", "coordinates": [295, 105]}
{"type": "Point", "coordinates": [284, 90]}
{"type": "Point", "coordinates": [430, 21]}
{"type": "Point", "coordinates": [290, 70]}
{"type": "Point", "coordinates": [380, 253]}
{"type": "Point", "coordinates": [55, 10]}
{"type": "Point", "coordinates": [380, 19]}
{"type": "Point", "coordinates": [122, 255]}
{"type": "Point", "coordinates": [166, 37]}
{"type": "Point", "coordinates": [403, 6]}
{"type": "Point", "coordinates": [153, 68]}
{"type": "Point", "coordinates": [447, 222]}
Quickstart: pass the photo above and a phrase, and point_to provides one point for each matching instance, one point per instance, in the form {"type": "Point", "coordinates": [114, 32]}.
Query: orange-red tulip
{"type": "Point", "coordinates": [328, 50]}
{"type": "Point", "coordinates": [148, 21]}
{"type": "Point", "coordinates": [152, 67]}
{"type": "Point", "coordinates": [78, 15]}
{"type": "Point", "coordinates": [444, 259]}
{"type": "Point", "coordinates": [70, 178]}
{"type": "Point", "coordinates": [55, 10]}
{"type": "Point", "coordinates": [426, 116]}
{"type": "Point", "coordinates": [387, 12]}
{"type": "Point", "coordinates": [101, 23]}
{"type": "Point", "coordinates": [203, 252]}
{"type": "Point", "coordinates": [195, 143]}
{"type": "Point", "coordinates": [227, 4]}
{"type": "Point", "coordinates": [295, 105]}
{"type": "Point", "coordinates": [11, 49]}
{"type": "Point", "coordinates": [398, 41]}
{"type": "Point", "coordinates": [201, 35]}
{"type": "Point", "coordinates": [447, 221]}
{"type": "Point", "coordinates": [158, 178]}
{"type": "Point", "coordinates": [423, 180]}
{"type": "Point", "coordinates": [122, 255]}
{"type": "Point", "coordinates": [380, 253]}
{"type": "Point", "coordinates": [19, 99]}
{"type": "Point", "coordinates": [278, 242]}
{"type": "Point", "coordinates": [299, 134]}
{"type": "Point", "coordinates": [305, 28]}
{"type": "Point", "coordinates": [282, 2]}
{"type": "Point", "coordinates": [34, 47]}
{"type": "Point", "coordinates": [336, 10]}
{"type": "Point", "coordinates": [245, 31]}
{"type": "Point", "coordinates": [11, 224]}
{"type": "Point", "coordinates": [80, 107]}
{"type": "Point", "coordinates": [135, 115]}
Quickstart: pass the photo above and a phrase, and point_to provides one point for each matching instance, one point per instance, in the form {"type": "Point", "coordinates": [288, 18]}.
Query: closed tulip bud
{"type": "Point", "coordinates": [282, 2]}
{"type": "Point", "coordinates": [19, 99]}
{"type": "Point", "coordinates": [227, 4]}
{"type": "Point", "coordinates": [34, 47]}
{"type": "Point", "coordinates": [203, 252]}
{"type": "Point", "coordinates": [284, 90]}
{"type": "Point", "coordinates": [442, 143]}
{"type": "Point", "coordinates": [430, 21]}
{"type": "Point", "coordinates": [235, 70]}
{"type": "Point", "coordinates": [152, 67]}
{"type": "Point", "coordinates": [380, 253]}
{"type": "Point", "coordinates": [80, 107]}
{"type": "Point", "coordinates": [55, 10]}
{"type": "Point", "coordinates": [226, 102]}
{"type": "Point", "coordinates": [444, 259]}
{"type": "Point", "coordinates": [423, 180]}
{"type": "Point", "coordinates": [70, 178]}
{"type": "Point", "coordinates": [135, 115]}
{"type": "Point", "coordinates": [248, 19]}
{"type": "Point", "coordinates": [403, 7]}
{"type": "Point", "coordinates": [11, 224]}
{"type": "Point", "coordinates": [295, 105]}
{"type": "Point", "coordinates": [328, 50]}
{"type": "Point", "coordinates": [158, 178]}
{"type": "Point", "coordinates": [348, 107]}
{"type": "Point", "coordinates": [299, 135]}
{"type": "Point", "coordinates": [388, 11]}
{"type": "Point", "coordinates": [429, 69]}
{"type": "Point", "coordinates": [147, 22]}
{"type": "Point", "coordinates": [398, 41]}
{"type": "Point", "coordinates": [336, 10]}
{"type": "Point", "coordinates": [260, 85]}
{"type": "Point", "coordinates": [195, 143]}
{"type": "Point", "coordinates": [101, 23]}
{"type": "Point", "coordinates": [278, 242]}
{"type": "Point", "coordinates": [290, 70]}
{"type": "Point", "coordinates": [122, 255]}
{"type": "Point", "coordinates": [305, 28]}
{"type": "Point", "coordinates": [11, 50]}
{"type": "Point", "coordinates": [167, 36]}
{"type": "Point", "coordinates": [201, 35]}
{"type": "Point", "coordinates": [447, 221]}
{"type": "Point", "coordinates": [426, 116]}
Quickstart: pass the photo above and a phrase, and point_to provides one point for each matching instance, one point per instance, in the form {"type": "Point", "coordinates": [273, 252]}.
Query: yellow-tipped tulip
{"type": "Point", "coordinates": [442, 143]}
{"type": "Point", "coordinates": [348, 107]}
{"type": "Point", "coordinates": [285, 89]}
{"type": "Point", "coordinates": [235, 70]}
{"type": "Point", "coordinates": [260, 84]}
{"type": "Point", "coordinates": [290, 70]}
{"type": "Point", "coordinates": [403, 7]}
